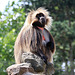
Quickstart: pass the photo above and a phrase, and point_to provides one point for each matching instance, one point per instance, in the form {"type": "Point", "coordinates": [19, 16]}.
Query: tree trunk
{"type": "Point", "coordinates": [71, 59]}
{"type": "Point", "coordinates": [66, 68]}
{"type": "Point", "coordinates": [70, 43]}
{"type": "Point", "coordinates": [71, 52]}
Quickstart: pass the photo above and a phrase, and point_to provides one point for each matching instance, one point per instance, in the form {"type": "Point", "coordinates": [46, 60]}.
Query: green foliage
{"type": "Point", "coordinates": [10, 25]}
{"type": "Point", "coordinates": [63, 34]}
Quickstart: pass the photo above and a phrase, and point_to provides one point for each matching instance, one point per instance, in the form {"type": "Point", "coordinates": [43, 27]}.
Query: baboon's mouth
{"type": "Point", "coordinates": [37, 24]}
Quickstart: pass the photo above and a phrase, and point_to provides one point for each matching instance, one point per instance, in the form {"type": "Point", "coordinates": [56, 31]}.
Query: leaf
{"type": "Point", "coordinates": [13, 3]}
{"type": "Point", "coordinates": [56, 8]}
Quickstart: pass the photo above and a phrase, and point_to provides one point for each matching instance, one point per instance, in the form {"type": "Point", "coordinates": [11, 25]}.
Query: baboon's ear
{"type": "Point", "coordinates": [47, 20]}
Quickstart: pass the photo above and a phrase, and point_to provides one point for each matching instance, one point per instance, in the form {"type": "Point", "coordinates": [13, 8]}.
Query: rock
{"type": "Point", "coordinates": [31, 65]}
{"type": "Point", "coordinates": [36, 62]}
{"type": "Point", "coordinates": [49, 69]}
{"type": "Point", "coordinates": [19, 69]}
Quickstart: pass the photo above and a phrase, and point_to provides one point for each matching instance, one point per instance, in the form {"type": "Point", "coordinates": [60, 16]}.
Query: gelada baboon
{"type": "Point", "coordinates": [34, 36]}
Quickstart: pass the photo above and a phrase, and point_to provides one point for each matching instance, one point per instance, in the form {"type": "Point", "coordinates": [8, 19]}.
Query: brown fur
{"type": "Point", "coordinates": [30, 39]}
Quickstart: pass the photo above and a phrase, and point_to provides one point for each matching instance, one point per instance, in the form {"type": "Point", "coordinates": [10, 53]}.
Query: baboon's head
{"type": "Point", "coordinates": [39, 18]}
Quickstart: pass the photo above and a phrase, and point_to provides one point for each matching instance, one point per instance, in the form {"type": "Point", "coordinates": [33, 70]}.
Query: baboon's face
{"type": "Point", "coordinates": [41, 20]}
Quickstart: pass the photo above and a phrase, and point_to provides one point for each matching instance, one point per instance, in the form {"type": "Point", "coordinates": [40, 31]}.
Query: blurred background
{"type": "Point", "coordinates": [12, 17]}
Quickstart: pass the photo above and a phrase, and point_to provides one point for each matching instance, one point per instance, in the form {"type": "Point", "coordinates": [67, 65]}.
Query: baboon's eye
{"type": "Point", "coordinates": [39, 15]}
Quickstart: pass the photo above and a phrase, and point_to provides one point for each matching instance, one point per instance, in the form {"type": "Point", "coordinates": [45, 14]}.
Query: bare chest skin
{"type": "Point", "coordinates": [46, 36]}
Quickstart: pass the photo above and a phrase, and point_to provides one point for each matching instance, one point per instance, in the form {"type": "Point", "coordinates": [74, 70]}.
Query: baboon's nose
{"type": "Point", "coordinates": [43, 21]}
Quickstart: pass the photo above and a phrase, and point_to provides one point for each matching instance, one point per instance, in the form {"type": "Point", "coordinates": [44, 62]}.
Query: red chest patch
{"type": "Point", "coordinates": [43, 37]}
